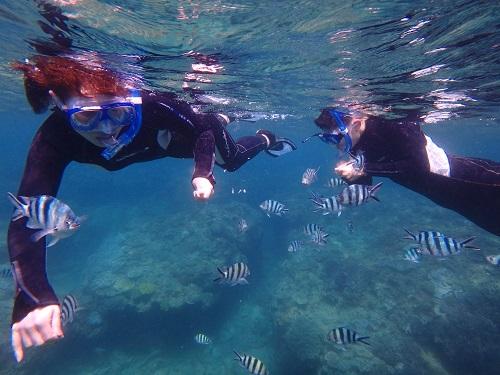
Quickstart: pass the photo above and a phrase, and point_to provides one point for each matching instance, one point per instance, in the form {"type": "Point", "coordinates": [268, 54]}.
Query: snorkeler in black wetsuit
{"type": "Point", "coordinates": [99, 118]}
{"type": "Point", "coordinates": [401, 151]}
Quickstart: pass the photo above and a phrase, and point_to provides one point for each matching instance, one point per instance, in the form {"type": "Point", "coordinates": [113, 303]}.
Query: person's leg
{"type": "Point", "coordinates": [230, 154]}
{"type": "Point", "coordinates": [481, 171]}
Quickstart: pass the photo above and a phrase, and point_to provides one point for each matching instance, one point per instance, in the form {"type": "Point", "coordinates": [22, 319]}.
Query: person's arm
{"type": "Point", "coordinates": [42, 175]}
{"type": "Point", "coordinates": [204, 158]}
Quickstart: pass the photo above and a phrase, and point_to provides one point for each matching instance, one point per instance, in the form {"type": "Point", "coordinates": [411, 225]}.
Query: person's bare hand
{"type": "Point", "coordinates": [347, 171]}
{"type": "Point", "coordinates": [38, 327]}
{"type": "Point", "coordinates": [203, 188]}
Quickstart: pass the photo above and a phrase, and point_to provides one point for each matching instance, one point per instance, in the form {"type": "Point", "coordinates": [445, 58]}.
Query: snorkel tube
{"type": "Point", "coordinates": [344, 132]}
{"type": "Point", "coordinates": [332, 138]}
{"type": "Point", "coordinates": [127, 137]}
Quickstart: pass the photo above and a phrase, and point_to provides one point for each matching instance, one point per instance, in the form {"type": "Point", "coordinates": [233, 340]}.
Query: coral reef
{"type": "Point", "coordinates": [167, 261]}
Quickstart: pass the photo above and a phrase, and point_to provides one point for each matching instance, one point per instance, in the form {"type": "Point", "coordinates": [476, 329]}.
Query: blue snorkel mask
{"type": "Point", "coordinates": [134, 127]}
{"type": "Point", "coordinates": [335, 138]}
{"type": "Point", "coordinates": [118, 114]}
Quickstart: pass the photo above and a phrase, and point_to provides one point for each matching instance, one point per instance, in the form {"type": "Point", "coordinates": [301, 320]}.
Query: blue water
{"type": "Point", "coordinates": [142, 265]}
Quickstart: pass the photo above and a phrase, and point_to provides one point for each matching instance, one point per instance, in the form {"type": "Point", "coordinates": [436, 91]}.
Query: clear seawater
{"type": "Point", "coordinates": [142, 265]}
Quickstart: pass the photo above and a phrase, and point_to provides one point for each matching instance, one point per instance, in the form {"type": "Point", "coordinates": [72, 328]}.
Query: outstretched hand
{"type": "Point", "coordinates": [38, 327]}
{"type": "Point", "coordinates": [348, 172]}
{"type": "Point", "coordinates": [203, 188]}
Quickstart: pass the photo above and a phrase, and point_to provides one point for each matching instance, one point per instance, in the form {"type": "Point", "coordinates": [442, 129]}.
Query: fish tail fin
{"type": "Point", "coordinates": [239, 358]}
{"type": "Point", "coordinates": [316, 198]}
{"type": "Point", "coordinates": [466, 241]}
{"type": "Point", "coordinates": [218, 279]}
{"type": "Point", "coordinates": [373, 190]}
{"type": "Point", "coordinates": [20, 207]}
{"type": "Point", "coordinates": [362, 339]}
{"type": "Point", "coordinates": [410, 235]}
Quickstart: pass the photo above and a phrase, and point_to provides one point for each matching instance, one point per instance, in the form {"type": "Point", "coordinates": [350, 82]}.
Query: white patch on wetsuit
{"type": "Point", "coordinates": [163, 138]}
{"type": "Point", "coordinates": [438, 160]}
{"type": "Point", "coordinates": [218, 156]}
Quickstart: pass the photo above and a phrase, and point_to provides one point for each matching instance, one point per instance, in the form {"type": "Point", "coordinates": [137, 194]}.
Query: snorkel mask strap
{"type": "Point", "coordinates": [127, 137]}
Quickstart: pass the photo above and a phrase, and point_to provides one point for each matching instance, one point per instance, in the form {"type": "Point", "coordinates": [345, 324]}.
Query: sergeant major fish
{"type": "Point", "coordinates": [235, 274]}
{"type": "Point", "coordinates": [47, 213]}
{"type": "Point", "coordinates": [358, 160]}
{"type": "Point", "coordinates": [273, 207]}
{"type": "Point", "coordinates": [252, 364]}
{"type": "Point", "coordinates": [69, 307]}
{"type": "Point", "coordinates": [202, 339]}
{"type": "Point", "coordinates": [413, 255]}
{"type": "Point", "coordinates": [310, 229]}
{"type": "Point", "coordinates": [335, 181]}
{"type": "Point", "coordinates": [319, 237]}
{"type": "Point", "coordinates": [422, 236]}
{"type": "Point", "coordinates": [493, 259]}
{"type": "Point", "coordinates": [310, 176]}
{"type": "Point", "coordinates": [354, 195]}
{"type": "Point", "coordinates": [242, 226]}
{"type": "Point", "coordinates": [294, 246]}
{"type": "Point", "coordinates": [6, 272]}
{"type": "Point", "coordinates": [326, 205]}
{"type": "Point", "coordinates": [343, 335]}
{"type": "Point", "coordinates": [444, 246]}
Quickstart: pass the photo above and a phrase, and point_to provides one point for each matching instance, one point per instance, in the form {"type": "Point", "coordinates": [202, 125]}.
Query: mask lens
{"type": "Point", "coordinates": [122, 115]}
{"type": "Point", "coordinates": [85, 119]}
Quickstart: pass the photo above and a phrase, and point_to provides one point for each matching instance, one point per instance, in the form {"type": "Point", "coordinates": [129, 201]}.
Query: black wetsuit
{"type": "Point", "coordinates": [56, 144]}
{"type": "Point", "coordinates": [397, 150]}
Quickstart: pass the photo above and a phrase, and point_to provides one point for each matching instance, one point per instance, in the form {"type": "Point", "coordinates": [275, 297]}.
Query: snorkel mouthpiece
{"type": "Point", "coordinates": [127, 137]}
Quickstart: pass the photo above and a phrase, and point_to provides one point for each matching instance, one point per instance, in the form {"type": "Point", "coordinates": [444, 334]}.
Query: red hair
{"type": "Point", "coordinates": [67, 77]}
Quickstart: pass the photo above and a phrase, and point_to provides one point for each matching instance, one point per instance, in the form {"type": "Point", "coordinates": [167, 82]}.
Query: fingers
{"type": "Point", "coordinates": [17, 344]}
{"type": "Point", "coordinates": [35, 337]}
{"type": "Point", "coordinates": [36, 328]}
{"type": "Point", "coordinates": [55, 322]}
{"type": "Point", "coordinates": [202, 195]}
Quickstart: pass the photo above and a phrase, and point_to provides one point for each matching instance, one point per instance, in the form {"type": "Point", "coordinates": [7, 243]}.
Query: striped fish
{"type": "Point", "coordinates": [202, 339]}
{"type": "Point", "coordinates": [343, 335]}
{"type": "Point", "coordinates": [354, 195]}
{"type": "Point", "coordinates": [494, 259]}
{"type": "Point", "coordinates": [310, 176]}
{"type": "Point", "coordinates": [47, 213]}
{"type": "Point", "coordinates": [69, 307]}
{"type": "Point", "coordinates": [319, 237]}
{"type": "Point", "coordinates": [294, 246]}
{"type": "Point", "coordinates": [358, 160]}
{"type": "Point", "coordinates": [422, 236]}
{"type": "Point", "coordinates": [413, 255]}
{"type": "Point", "coordinates": [335, 181]}
{"type": "Point", "coordinates": [252, 364]}
{"type": "Point", "coordinates": [273, 207]}
{"type": "Point", "coordinates": [235, 274]}
{"type": "Point", "coordinates": [6, 273]}
{"type": "Point", "coordinates": [242, 225]}
{"type": "Point", "coordinates": [310, 229]}
{"type": "Point", "coordinates": [326, 205]}
{"type": "Point", "coordinates": [444, 246]}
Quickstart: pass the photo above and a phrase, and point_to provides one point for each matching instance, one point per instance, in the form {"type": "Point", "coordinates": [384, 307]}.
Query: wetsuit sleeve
{"type": "Point", "coordinates": [42, 175]}
{"type": "Point", "coordinates": [204, 156]}
{"type": "Point", "coordinates": [387, 169]}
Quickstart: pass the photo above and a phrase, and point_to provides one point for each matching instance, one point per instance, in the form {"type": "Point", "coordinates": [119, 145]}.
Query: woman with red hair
{"type": "Point", "coordinates": [101, 118]}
